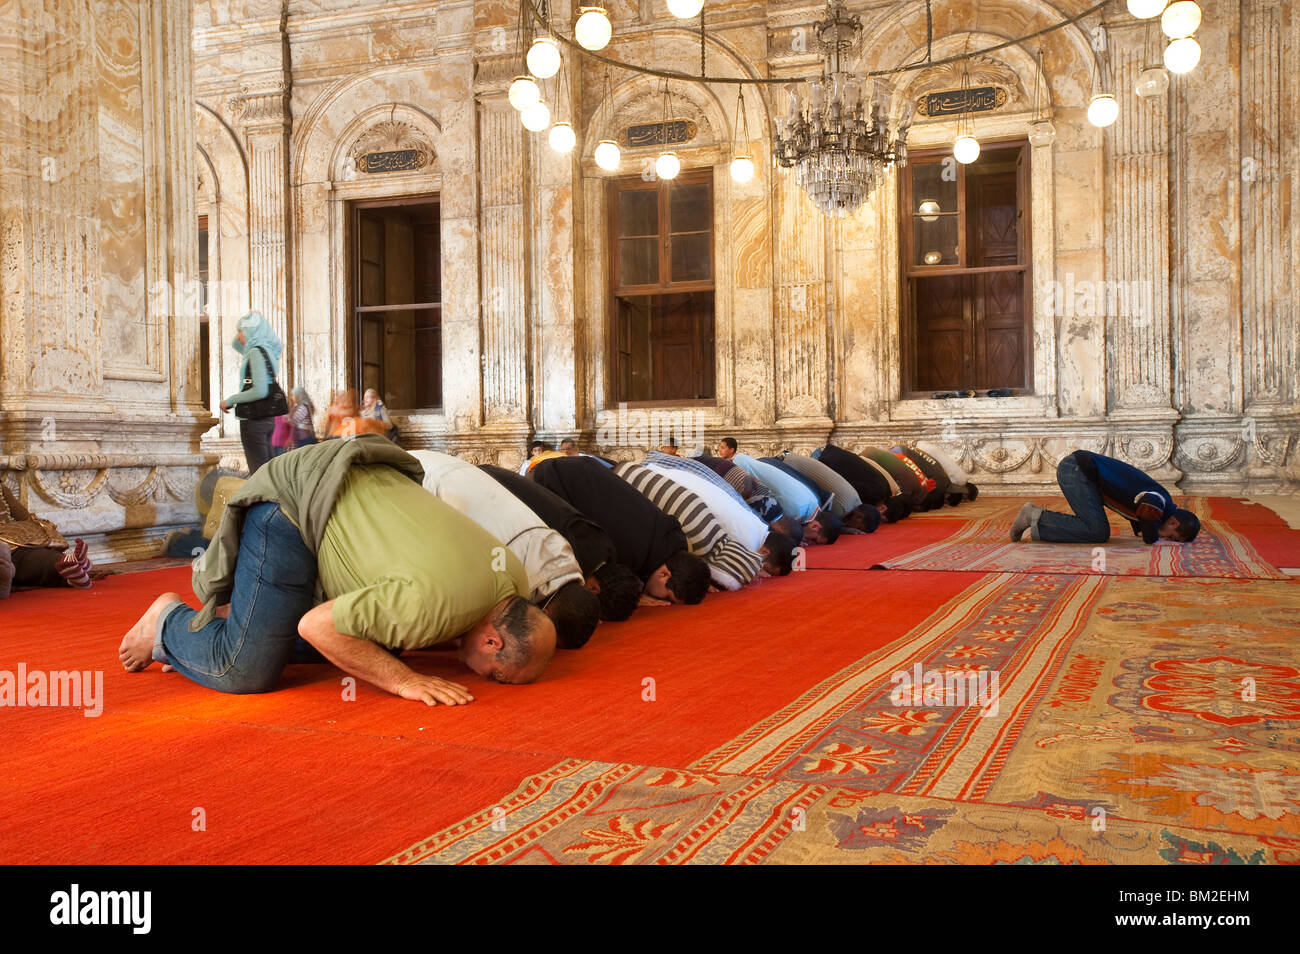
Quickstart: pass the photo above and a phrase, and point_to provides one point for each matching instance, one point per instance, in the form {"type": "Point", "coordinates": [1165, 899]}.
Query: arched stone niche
{"type": "Point", "coordinates": [742, 213]}
{"type": "Point", "coordinates": [1066, 358]}
{"type": "Point", "coordinates": [372, 114]}
{"type": "Point", "coordinates": [223, 197]}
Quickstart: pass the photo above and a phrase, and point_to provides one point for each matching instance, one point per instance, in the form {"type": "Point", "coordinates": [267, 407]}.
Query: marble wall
{"type": "Point", "coordinates": [100, 416]}
{"type": "Point", "coordinates": [260, 119]}
{"type": "Point", "coordinates": [1198, 387]}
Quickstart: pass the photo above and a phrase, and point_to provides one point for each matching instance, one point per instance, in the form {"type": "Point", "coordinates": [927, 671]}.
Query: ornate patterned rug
{"type": "Point", "coordinates": [1032, 718]}
{"type": "Point", "coordinates": [982, 544]}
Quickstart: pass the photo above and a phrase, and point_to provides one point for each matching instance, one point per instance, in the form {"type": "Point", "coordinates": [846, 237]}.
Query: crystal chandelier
{"type": "Point", "coordinates": [839, 145]}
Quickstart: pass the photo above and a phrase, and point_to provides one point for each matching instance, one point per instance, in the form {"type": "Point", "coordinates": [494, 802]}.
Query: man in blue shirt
{"type": "Point", "coordinates": [1092, 484]}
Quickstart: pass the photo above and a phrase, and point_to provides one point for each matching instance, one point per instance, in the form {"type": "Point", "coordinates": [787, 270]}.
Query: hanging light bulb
{"type": "Point", "coordinates": [668, 165]}
{"type": "Point", "coordinates": [563, 138]}
{"type": "Point", "coordinates": [593, 29]}
{"type": "Point", "coordinates": [966, 149]}
{"type": "Point", "coordinates": [608, 155]}
{"type": "Point", "coordinates": [1145, 9]}
{"type": "Point", "coordinates": [1042, 133]}
{"type": "Point", "coordinates": [1152, 81]}
{"type": "Point", "coordinates": [932, 258]}
{"type": "Point", "coordinates": [1103, 110]}
{"type": "Point", "coordinates": [523, 92]}
{"type": "Point", "coordinates": [1041, 130]}
{"type": "Point", "coordinates": [543, 57]}
{"type": "Point", "coordinates": [1182, 55]}
{"type": "Point", "coordinates": [742, 164]}
{"type": "Point", "coordinates": [536, 117]}
{"type": "Point", "coordinates": [1180, 19]}
{"type": "Point", "coordinates": [929, 210]}
{"type": "Point", "coordinates": [685, 9]}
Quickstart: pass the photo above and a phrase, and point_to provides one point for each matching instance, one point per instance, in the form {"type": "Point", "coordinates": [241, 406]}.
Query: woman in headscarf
{"type": "Point", "coordinates": [261, 349]}
{"type": "Point", "coordinates": [300, 416]}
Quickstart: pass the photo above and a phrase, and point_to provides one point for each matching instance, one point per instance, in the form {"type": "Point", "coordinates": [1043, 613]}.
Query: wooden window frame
{"type": "Point", "coordinates": [616, 186]}
{"type": "Point", "coordinates": [908, 270]}
{"type": "Point", "coordinates": [352, 236]}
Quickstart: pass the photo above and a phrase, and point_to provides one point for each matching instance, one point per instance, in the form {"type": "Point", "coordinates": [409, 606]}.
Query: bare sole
{"type": "Point", "coordinates": [136, 649]}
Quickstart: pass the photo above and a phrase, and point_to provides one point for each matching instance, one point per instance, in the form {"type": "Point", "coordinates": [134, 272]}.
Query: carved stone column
{"type": "Point", "coordinates": [556, 379]}
{"type": "Point", "coordinates": [1268, 253]}
{"type": "Point", "coordinates": [800, 306]}
{"type": "Point", "coordinates": [504, 261]}
{"type": "Point", "coordinates": [1135, 295]}
{"type": "Point", "coordinates": [266, 123]}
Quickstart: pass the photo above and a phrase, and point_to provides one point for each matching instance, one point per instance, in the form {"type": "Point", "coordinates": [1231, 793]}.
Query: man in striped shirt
{"type": "Point", "coordinates": [731, 565]}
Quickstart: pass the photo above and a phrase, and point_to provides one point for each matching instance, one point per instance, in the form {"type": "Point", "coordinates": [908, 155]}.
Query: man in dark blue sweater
{"type": "Point", "coordinates": [1093, 484]}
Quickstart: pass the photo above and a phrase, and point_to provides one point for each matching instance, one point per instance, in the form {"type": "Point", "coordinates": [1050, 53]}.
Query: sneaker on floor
{"type": "Point", "coordinates": [1023, 519]}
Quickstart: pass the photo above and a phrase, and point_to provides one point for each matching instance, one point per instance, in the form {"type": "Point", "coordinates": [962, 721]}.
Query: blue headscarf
{"type": "Point", "coordinates": [258, 333]}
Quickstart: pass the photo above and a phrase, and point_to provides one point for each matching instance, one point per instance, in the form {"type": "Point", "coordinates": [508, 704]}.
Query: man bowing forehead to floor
{"type": "Point", "coordinates": [340, 544]}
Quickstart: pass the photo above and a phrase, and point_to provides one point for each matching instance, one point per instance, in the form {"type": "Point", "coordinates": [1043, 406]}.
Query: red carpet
{"type": "Point", "coordinates": [299, 775]}
{"type": "Point", "coordinates": [771, 736]}
{"type": "Point", "coordinates": [1268, 533]}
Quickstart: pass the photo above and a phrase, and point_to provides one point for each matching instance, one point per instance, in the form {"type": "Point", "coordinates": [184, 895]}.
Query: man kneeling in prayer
{"type": "Point", "coordinates": [338, 543]}
{"type": "Point", "coordinates": [1092, 484]}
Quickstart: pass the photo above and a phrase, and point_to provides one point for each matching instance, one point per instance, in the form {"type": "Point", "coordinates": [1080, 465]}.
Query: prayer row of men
{"type": "Point", "coordinates": [355, 551]}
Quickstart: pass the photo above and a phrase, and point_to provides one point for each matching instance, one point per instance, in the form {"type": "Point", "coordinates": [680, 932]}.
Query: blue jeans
{"type": "Point", "coordinates": [1088, 523]}
{"type": "Point", "coordinates": [275, 582]}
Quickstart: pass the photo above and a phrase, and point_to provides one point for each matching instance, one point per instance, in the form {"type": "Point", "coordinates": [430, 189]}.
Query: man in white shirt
{"type": "Point", "coordinates": [554, 577]}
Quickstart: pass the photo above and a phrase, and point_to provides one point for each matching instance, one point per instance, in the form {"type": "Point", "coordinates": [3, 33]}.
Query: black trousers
{"type": "Point", "coordinates": [255, 435]}
{"type": "Point", "coordinates": [34, 566]}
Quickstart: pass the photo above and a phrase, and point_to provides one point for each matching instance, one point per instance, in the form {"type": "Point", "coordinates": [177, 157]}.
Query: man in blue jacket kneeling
{"type": "Point", "coordinates": [1092, 484]}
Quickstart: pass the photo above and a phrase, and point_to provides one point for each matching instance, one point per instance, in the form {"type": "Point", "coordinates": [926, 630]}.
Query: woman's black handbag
{"type": "Point", "coordinates": [273, 405]}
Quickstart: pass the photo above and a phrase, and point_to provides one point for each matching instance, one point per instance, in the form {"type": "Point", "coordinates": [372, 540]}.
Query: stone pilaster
{"type": "Point", "coordinates": [264, 118]}
{"type": "Point", "coordinates": [1268, 295]}
{"type": "Point", "coordinates": [800, 305]}
{"type": "Point", "coordinates": [98, 387]}
{"type": "Point", "coordinates": [553, 314]}
{"type": "Point", "coordinates": [503, 261]}
{"type": "Point", "coordinates": [49, 181]}
{"type": "Point", "coordinates": [1137, 252]}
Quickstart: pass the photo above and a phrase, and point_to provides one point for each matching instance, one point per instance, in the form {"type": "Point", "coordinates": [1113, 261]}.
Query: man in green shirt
{"type": "Point", "coordinates": [344, 548]}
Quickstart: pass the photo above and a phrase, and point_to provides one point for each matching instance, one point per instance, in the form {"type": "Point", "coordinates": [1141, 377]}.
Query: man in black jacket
{"type": "Point", "coordinates": [617, 587]}
{"type": "Point", "coordinates": [646, 539]}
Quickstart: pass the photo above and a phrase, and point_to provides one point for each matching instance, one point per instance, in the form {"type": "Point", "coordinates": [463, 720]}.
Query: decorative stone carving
{"type": "Point", "coordinates": [493, 75]}
{"type": "Point", "coordinates": [392, 136]}
{"type": "Point", "coordinates": [1145, 453]}
{"type": "Point", "coordinates": [263, 107]}
{"type": "Point", "coordinates": [984, 71]}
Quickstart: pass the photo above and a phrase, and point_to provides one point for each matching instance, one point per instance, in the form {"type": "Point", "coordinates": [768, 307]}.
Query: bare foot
{"type": "Point", "coordinates": [136, 651]}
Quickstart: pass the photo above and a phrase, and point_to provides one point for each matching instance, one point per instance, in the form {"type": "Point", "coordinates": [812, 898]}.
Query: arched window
{"type": "Point", "coordinates": [663, 287]}
{"type": "Point", "coordinates": [965, 256]}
